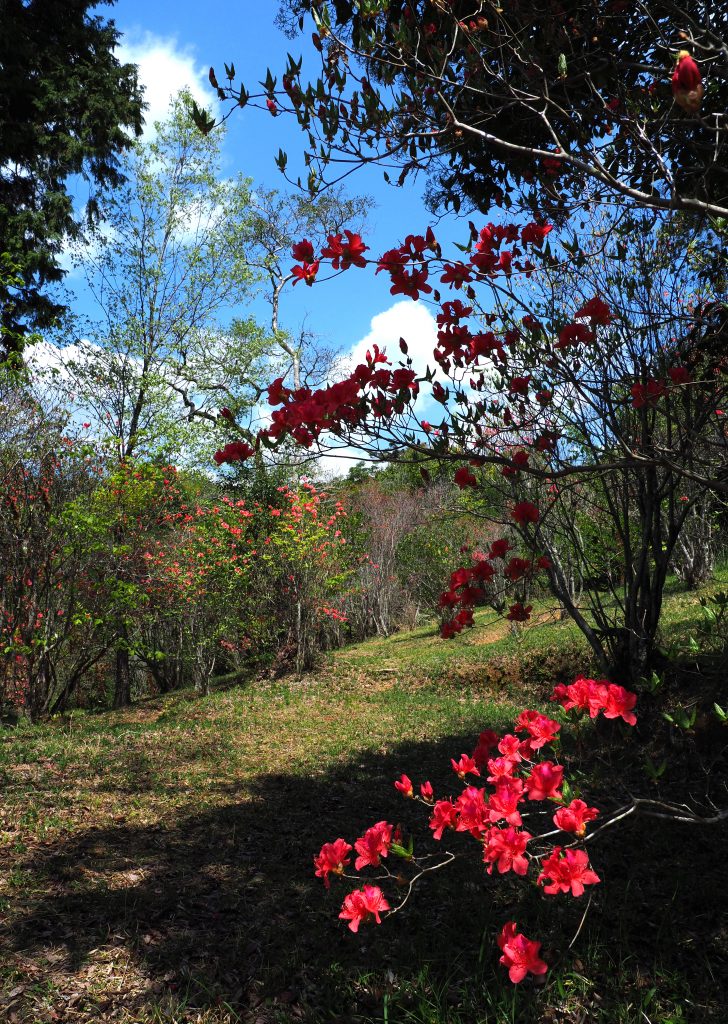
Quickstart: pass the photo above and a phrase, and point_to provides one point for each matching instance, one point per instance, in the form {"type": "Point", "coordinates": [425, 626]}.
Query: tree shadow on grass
{"type": "Point", "coordinates": [221, 913]}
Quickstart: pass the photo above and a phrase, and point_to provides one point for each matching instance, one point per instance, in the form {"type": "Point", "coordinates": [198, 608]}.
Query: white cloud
{"type": "Point", "coordinates": [406, 319]}
{"type": "Point", "coordinates": [164, 68]}
{"type": "Point", "coordinates": [45, 358]}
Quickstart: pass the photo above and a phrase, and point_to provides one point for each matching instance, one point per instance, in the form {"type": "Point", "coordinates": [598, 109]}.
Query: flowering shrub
{"type": "Point", "coordinates": [568, 399]}
{"type": "Point", "coordinates": [524, 787]}
{"type": "Point", "coordinates": [239, 579]}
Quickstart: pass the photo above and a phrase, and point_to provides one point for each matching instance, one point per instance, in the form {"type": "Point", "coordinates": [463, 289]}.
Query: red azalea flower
{"type": "Point", "coordinates": [362, 904]}
{"type": "Point", "coordinates": [647, 394]}
{"type": "Point", "coordinates": [516, 568]}
{"type": "Point", "coordinates": [574, 334]}
{"type": "Point", "coordinates": [444, 815]}
{"type": "Point", "coordinates": [525, 512]}
{"type": "Point", "coordinates": [277, 393]}
{"type": "Point", "coordinates": [332, 859]}
{"type": "Point", "coordinates": [426, 791]}
{"type": "Point", "coordinates": [582, 695]}
{"type": "Point", "coordinates": [466, 765]}
{"type": "Point", "coordinates": [305, 273]}
{"type": "Point", "coordinates": [535, 233]}
{"type": "Point", "coordinates": [567, 871]}
{"type": "Point", "coordinates": [519, 385]}
{"type": "Point", "coordinates": [551, 165]}
{"type": "Point", "coordinates": [510, 747]}
{"type": "Point", "coordinates": [500, 768]}
{"type": "Point", "coordinates": [687, 85]}
{"type": "Point", "coordinates": [517, 613]}
{"type": "Point", "coordinates": [597, 310]}
{"type": "Point", "coordinates": [679, 375]}
{"type": "Point", "coordinates": [504, 849]}
{"type": "Point", "coordinates": [504, 802]}
{"type": "Point", "coordinates": [574, 816]}
{"type": "Point", "coordinates": [472, 811]}
{"type": "Point", "coordinates": [375, 843]}
{"type": "Point", "coordinates": [499, 548]}
{"type": "Point", "coordinates": [520, 955]}
{"type": "Point", "coordinates": [464, 478]}
{"type": "Point", "coordinates": [540, 728]}
{"type": "Point", "coordinates": [235, 451]}
{"type": "Point", "coordinates": [456, 274]}
{"type": "Point", "coordinates": [302, 251]}
{"type": "Point", "coordinates": [544, 781]}
{"type": "Point", "coordinates": [404, 785]}
{"type": "Point", "coordinates": [619, 703]}
{"type": "Point", "coordinates": [486, 741]}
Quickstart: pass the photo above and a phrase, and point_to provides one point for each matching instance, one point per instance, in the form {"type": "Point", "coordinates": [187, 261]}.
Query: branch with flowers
{"type": "Point", "coordinates": [511, 819]}
{"type": "Point", "coordinates": [584, 400]}
{"type": "Point", "coordinates": [506, 105]}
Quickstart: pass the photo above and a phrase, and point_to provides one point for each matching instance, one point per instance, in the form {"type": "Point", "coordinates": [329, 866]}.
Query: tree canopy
{"type": "Point", "coordinates": [549, 104]}
{"type": "Point", "coordinates": [67, 107]}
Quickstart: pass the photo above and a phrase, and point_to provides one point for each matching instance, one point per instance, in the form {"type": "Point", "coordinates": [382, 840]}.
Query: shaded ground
{"type": "Point", "coordinates": [157, 867]}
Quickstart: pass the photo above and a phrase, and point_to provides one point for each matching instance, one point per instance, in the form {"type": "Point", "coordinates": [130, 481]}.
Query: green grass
{"type": "Point", "coordinates": [155, 864]}
{"type": "Point", "coordinates": [493, 652]}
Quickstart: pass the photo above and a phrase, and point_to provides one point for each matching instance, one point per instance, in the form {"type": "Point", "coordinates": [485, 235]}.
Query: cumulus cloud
{"type": "Point", "coordinates": [165, 67]}
{"type": "Point", "coordinates": [406, 319]}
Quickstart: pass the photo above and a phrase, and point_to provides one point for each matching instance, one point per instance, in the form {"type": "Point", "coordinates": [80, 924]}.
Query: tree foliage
{"type": "Point", "coordinates": [167, 268]}
{"type": "Point", "coordinates": [67, 107]}
{"type": "Point", "coordinates": [552, 104]}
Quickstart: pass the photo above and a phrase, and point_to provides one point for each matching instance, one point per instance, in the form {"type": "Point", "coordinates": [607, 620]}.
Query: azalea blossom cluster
{"type": "Point", "coordinates": [523, 787]}
{"type": "Point", "coordinates": [649, 392]}
{"type": "Point", "coordinates": [467, 584]}
{"type": "Point", "coordinates": [515, 403]}
{"type": "Point", "coordinates": [374, 388]}
{"type": "Point", "coordinates": [378, 391]}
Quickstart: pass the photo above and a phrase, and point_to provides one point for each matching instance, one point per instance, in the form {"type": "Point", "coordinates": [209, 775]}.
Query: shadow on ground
{"type": "Point", "coordinates": [222, 912]}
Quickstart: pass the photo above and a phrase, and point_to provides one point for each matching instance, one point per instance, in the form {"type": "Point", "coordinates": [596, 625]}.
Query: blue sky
{"type": "Point", "coordinates": [175, 43]}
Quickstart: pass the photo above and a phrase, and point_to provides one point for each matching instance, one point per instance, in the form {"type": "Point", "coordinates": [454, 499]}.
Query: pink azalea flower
{"type": "Point", "coordinates": [332, 859]}
{"type": "Point", "coordinates": [363, 904]}
{"type": "Point", "coordinates": [520, 955]}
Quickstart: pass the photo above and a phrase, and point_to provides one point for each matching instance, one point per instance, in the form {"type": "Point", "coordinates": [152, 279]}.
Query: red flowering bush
{"type": "Point", "coordinates": [566, 402]}
{"type": "Point", "coordinates": [494, 815]}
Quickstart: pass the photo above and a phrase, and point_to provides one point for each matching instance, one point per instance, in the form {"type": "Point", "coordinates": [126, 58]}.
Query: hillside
{"type": "Point", "coordinates": [157, 863]}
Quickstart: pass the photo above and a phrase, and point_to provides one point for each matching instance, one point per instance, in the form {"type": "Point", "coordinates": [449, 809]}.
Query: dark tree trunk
{"type": "Point", "coordinates": [122, 680]}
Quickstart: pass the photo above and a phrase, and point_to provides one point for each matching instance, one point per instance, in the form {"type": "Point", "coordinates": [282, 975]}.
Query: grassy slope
{"type": "Point", "coordinates": [421, 654]}
{"type": "Point", "coordinates": [155, 865]}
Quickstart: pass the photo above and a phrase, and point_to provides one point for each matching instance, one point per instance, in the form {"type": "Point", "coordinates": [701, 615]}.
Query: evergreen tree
{"type": "Point", "coordinates": [67, 107]}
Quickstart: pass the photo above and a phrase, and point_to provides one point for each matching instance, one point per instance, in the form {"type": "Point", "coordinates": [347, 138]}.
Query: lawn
{"type": "Point", "coordinates": [156, 863]}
